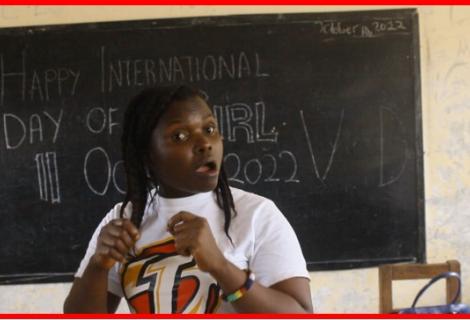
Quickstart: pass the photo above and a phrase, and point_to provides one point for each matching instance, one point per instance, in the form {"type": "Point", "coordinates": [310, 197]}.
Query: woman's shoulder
{"type": "Point", "coordinates": [243, 195]}
{"type": "Point", "coordinates": [257, 211]}
{"type": "Point", "coordinates": [246, 199]}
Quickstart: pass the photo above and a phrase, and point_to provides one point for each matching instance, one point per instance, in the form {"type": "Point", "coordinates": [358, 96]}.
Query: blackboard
{"type": "Point", "coordinates": [319, 112]}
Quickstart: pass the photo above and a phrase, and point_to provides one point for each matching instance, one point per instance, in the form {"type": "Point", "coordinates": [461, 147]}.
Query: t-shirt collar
{"type": "Point", "coordinates": [194, 199]}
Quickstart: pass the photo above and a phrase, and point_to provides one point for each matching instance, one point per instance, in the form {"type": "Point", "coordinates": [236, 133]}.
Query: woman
{"type": "Point", "coordinates": [183, 241]}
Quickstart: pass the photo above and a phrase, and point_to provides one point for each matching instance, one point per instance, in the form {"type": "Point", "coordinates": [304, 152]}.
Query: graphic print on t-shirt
{"type": "Point", "coordinates": [158, 280]}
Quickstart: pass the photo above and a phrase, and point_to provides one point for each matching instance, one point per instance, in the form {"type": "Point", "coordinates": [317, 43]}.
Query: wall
{"type": "Point", "coordinates": [445, 64]}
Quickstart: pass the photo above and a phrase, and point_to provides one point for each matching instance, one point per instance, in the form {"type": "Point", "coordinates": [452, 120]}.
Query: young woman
{"type": "Point", "coordinates": [183, 241]}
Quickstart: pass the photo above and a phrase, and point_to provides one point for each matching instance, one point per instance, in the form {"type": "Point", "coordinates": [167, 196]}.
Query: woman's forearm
{"type": "Point", "coordinates": [89, 293]}
{"type": "Point", "coordinates": [259, 299]}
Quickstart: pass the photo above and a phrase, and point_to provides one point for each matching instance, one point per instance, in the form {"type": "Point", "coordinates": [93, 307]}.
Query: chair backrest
{"type": "Point", "coordinates": [412, 271]}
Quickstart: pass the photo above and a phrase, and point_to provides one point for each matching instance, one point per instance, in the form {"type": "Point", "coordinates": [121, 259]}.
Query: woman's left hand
{"type": "Point", "coordinates": [193, 236]}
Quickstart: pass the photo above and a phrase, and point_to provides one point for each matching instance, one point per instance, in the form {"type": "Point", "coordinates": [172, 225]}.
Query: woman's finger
{"type": "Point", "coordinates": [116, 255]}
{"type": "Point", "coordinates": [107, 253]}
{"type": "Point", "coordinates": [184, 241]}
{"type": "Point", "coordinates": [116, 226]}
{"type": "Point", "coordinates": [131, 229]}
{"type": "Point", "coordinates": [122, 229]}
{"type": "Point", "coordinates": [126, 239]}
{"type": "Point", "coordinates": [183, 227]}
{"type": "Point", "coordinates": [115, 243]}
{"type": "Point", "coordinates": [182, 248]}
{"type": "Point", "coordinates": [114, 230]}
{"type": "Point", "coordinates": [107, 240]}
{"type": "Point", "coordinates": [179, 218]}
{"type": "Point", "coordinates": [121, 247]}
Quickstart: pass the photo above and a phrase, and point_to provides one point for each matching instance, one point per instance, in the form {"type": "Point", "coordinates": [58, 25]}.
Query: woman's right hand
{"type": "Point", "coordinates": [114, 242]}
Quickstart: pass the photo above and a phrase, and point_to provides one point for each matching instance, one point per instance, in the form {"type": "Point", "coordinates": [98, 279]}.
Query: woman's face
{"type": "Point", "coordinates": [186, 149]}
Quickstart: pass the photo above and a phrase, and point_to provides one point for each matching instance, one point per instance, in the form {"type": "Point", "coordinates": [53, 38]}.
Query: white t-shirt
{"type": "Point", "coordinates": [158, 280]}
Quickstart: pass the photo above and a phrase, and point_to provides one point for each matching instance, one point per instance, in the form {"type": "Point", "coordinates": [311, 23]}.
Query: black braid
{"type": "Point", "coordinates": [140, 118]}
{"type": "Point", "coordinates": [137, 185]}
{"type": "Point", "coordinates": [225, 199]}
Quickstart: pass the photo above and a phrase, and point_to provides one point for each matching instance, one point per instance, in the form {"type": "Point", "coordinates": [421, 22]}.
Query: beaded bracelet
{"type": "Point", "coordinates": [234, 296]}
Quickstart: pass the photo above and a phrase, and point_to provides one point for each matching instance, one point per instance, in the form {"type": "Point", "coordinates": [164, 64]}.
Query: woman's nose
{"type": "Point", "coordinates": [202, 145]}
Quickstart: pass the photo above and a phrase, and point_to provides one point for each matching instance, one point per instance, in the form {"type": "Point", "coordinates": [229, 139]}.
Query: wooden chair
{"type": "Point", "coordinates": [391, 272]}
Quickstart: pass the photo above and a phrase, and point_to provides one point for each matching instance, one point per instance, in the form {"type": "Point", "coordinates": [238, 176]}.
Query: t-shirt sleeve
{"type": "Point", "coordinates": [114, 282]}
{"type": "Point", "coordinates": [277, 254]}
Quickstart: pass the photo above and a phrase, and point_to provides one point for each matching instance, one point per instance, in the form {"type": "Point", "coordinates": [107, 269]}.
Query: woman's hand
{"type": "Point", "coordinates": [193, 236]}
{"type": "Point", "coordinates": [114, 242]}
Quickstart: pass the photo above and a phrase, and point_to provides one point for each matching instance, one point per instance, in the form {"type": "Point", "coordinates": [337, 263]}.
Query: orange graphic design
{"type": "Point", "coordinates": [158, 280]}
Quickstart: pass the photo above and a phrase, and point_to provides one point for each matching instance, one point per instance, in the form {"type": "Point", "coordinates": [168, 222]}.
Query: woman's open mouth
{"type": "Point", "coordinates": [208, 169]}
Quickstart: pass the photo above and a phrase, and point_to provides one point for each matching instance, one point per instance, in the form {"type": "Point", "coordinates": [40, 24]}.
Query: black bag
{"type": "Point", "coordinates": [446, 308]}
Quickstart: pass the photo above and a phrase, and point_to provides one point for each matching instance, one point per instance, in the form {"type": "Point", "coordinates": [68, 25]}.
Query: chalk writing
{"type": "Point", "coordinates": [388, 25]}
{"type": "Point", "coordinates": [36, 84]}
{"type": "Point", "coordinates": [234, 176]}
{"type": "Point", "coordinates": [48, 177]}
{"type": "Point", "coordinates": [239, 117]}
{"type": "Point", "coordinates": [253, 169]}
{"type": "Point", "coordinates": [258, 170]}
{"type": "Point", "coordinates": [271, 177]}
{"type": "Point", "coordinates": [322, 177]}
{"type": "Point", "coordinates": [385, 115]}
{"type": "Point", "coordinates": [292, 177]}
{"type": "Point", "coordinates": [118, 73]}
{"type": "Point", "coordinates": [4, 75]}
{"type": "Point", "coordinates": [16, 129]}
{"type": "Point", "coordinates": [392, 117]}
{"type": "Point", "coordinates": [337, 28]}
{"type": "Point", "coordinates": [44, 83]}
{"type": "Point", "coordinates": [109, 170]}
{"type": "Point", "coordinates": [119, 165]}
{"type": "Point", "coordinates": [361, 30]}
{"type": "Point", "coordinates": [98, 119]}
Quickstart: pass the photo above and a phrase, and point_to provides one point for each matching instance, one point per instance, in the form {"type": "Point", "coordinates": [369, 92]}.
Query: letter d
{"type": "Point", "coordinates": [5, 128]}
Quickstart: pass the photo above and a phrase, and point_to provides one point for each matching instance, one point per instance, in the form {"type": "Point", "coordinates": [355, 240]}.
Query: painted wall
{"type": "Point", "coordinates": [445, 64]}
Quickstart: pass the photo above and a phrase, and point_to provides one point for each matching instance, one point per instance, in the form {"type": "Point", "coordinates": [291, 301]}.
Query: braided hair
{"type": "Point", "coordinates": [140, 119]}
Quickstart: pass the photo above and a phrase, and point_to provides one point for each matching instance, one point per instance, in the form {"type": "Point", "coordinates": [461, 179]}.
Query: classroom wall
{"type": "Point", "coordinates": [445, 65]}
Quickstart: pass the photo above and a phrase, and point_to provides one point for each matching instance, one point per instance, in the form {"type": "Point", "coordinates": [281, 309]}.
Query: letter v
{"type": "Point", "coordinates": [322, 178]}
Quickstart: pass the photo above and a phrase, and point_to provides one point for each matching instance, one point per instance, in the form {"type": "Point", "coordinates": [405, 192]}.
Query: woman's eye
{"type": "Point", "coordinates": [211, 129]}
{"type": "Point", "coordinates": [180, 136]}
